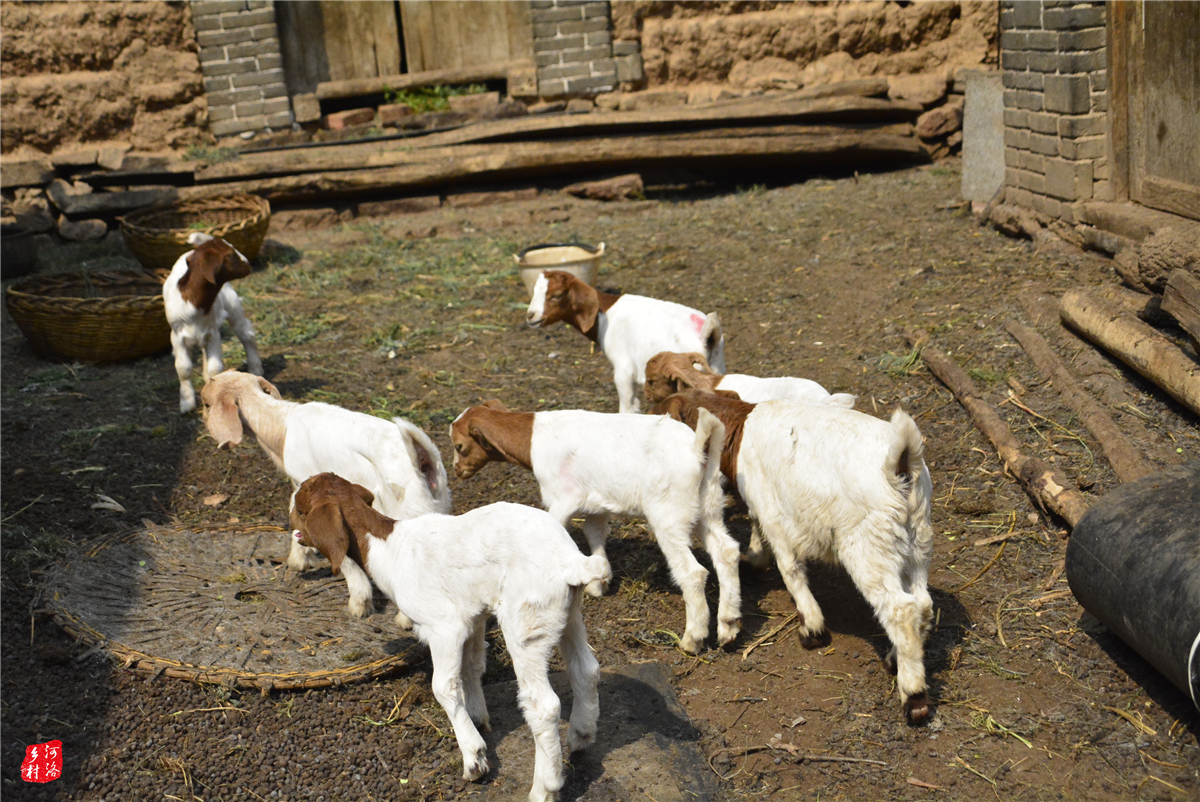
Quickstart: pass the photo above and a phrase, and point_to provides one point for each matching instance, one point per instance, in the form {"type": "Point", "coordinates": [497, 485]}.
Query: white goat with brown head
{"type": "Point", "coordinates": [670, 372]}
{"type": "Point", "coordinates": [628, 328]}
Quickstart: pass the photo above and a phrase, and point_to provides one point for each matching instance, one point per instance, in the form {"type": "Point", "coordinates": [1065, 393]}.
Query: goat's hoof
{"type": "Point", "coordinates": [759, 560]}
{"type": "Point", "coordinates": [403, 621]}
{"type": "Point", "coordinates": [916, 708]}
{"type": "Point", "coordinates": [578, 741]}
{"type": "Point", "coordinates": [727, 631]}
{"type": "Point", "coordinates": [475, 768]}
{"type": "Point", "coordinates": [691, 644]}
{"type": "Point", "coordinates": [815, 640]}
{"type": "Point", "coordinates": [360, 609]}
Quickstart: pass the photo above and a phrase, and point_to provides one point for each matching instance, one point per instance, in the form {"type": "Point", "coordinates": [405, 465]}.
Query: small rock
{"type": "Point", "coordinates": [82, 230]}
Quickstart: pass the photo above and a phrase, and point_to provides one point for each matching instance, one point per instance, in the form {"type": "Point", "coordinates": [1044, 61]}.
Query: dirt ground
{"type": "Point", "coordinates": [1032, 698]}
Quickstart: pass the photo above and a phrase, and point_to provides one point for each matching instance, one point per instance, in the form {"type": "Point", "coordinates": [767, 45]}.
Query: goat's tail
{"type": "Point", "coordinates": [709, 443]}
{"type": "Point", "coordinates": [714, 342]}
{"type": "Point", "coordinates": [592, 573]}
{"type": "Point", "coordinates": [906, 469]}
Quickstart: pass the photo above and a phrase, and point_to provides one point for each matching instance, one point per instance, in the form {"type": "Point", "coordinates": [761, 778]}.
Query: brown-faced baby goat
{"type": "Point", "coordinates": [628, 328]}
{"type": "Point", "coordinates": [448, 574]}
{"type": "Point", "coordinates": [394, 459]}
{"type": "Point", "coordinates": [669, 372]}
{"type": "Point", "coordinates": [596, 465]}
{"type": "Point", "coordinates": [830, 483]}
{"type": "Point", "coordinates": [197, 300]}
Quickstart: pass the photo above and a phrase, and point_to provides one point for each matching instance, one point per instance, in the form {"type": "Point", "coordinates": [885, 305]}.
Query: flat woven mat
{"type": "Point", "coordinates": [219, 604]}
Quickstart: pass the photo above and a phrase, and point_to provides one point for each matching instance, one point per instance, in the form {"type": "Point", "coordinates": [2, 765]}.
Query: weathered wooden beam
{"type": "Point", "coordinates": [1125, 460]}
{"type": "Point", "coordinates": [355, 87]}
{"type": "Point", "coordinates": [1134, 343]}
{"type": "Point", "coordinates": [432, 168]}
{"type": "Point", "coordinates": [1048, 486]}
{"type": "Point", "coordinates": [1181, 300]}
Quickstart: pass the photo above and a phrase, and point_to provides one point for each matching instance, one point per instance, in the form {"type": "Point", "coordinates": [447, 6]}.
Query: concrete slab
{"type": "Point", "coordinates": [983, 135]}
{"type": "Point", "coordinates": [646, 745]}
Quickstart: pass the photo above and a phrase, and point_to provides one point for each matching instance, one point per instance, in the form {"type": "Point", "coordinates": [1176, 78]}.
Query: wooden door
{"type": "Point", "coordinates": [1157, 104]}
{"type": "Point", "coordinates": [448, 34]}
{"type": "Point", "coordinates": [336, 41]}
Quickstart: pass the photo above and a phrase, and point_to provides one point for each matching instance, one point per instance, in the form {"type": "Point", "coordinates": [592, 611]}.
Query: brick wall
{"type": "Point", "coordinates": [1055, 104]}
{"type": "Point", "coordinates": [242, 65]}
{"type": "Point", "coordinates": [572, 46]}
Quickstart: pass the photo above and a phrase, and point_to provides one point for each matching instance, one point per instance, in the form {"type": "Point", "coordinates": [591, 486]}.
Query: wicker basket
{"type": "Point", "coordinates": [158, 235]}
{"type": "Point", "coordinates": [91, 317]}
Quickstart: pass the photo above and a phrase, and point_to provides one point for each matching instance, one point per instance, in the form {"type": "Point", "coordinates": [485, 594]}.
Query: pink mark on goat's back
{"type": "Point", "coordinates": [698, 322]}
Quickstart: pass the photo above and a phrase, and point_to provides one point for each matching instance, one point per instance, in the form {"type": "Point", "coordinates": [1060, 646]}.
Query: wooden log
{"type": "Point", "coordinates": [1126, 463]}
{"type": "Point", "coordinates": [1048, 487]}
{"type": "Point", "coordinates": [1181, 300]}
{"type": "Point", "coordinates": [405, 151]}
{"type": "Point", "coordinates": [507, 161]}
{"type": "Point", "coordinates": [355, 87]}
{"type": "Point", "coordinates": [1134, 343]}
{"type": "Point", "coordinates": [1146, 307]}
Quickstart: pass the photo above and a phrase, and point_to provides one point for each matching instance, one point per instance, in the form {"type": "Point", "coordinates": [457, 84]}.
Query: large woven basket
{"type": "Point", "coordinates": [100, 316]}
{"type": "Point", "coordinates": [158, 235]}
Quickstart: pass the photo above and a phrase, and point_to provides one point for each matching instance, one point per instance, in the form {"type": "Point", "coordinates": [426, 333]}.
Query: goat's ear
{"type": "Point", "coordinates": [699, 362]}
{"type": "Point", "coordinates": [269, 388]}
{"type": "Point", "coordinates": [728, 394]}
{"type": "Point", "coordinates": [223, 421]}
{"type": "Point", "coordinates": [364, 494]}
{"type": "Point", "coordinates": [671, 406]}
{"type": "Point", "coordinates": [494, 403]}
{"type": "Point", "coordinates": [325, 528]}
{"type": "Point", "coordinates": [586, 304]}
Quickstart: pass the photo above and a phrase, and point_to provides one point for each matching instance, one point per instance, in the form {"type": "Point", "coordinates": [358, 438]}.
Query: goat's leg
{"type": "Point", "coordinates": [627, 396]}
{"type": "Point", "coordinates": [795, 577]}
{"type": "Point", "coordinates": [595, 529]}
{"type": "Point", "coordinates": [723, 550]}
{"type": "Point", "coordinates": [584, 673]}
{"type": "Point", "coordinates": [244, 332]}
{"type": "Point", "coordinates": [530, 639]}
{"type": "Point", "coordinates": [362, 602]}
{"type": "Point", "coordinates": [298, 555]}
{"type": "Point", "coordinates": [474, 662]}
{"type": "Point", "coordinates": [183, 369]}
{"type": "Point", "coordinates": [876, 573]}
{"type": "Point", "coordinates": [213, 361]}
{"type": "Point", "coordinates": [758, 553]}
{"type": "Point", "coordinates": [446, 651]}
{"type": "Point", "coordinates": [675, 542]}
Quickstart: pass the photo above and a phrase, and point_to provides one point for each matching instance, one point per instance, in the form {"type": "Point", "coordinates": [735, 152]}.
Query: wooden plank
{"type": "Point", "coordinates": [1117, 29]}
{"type": "Point", "coordinates": [416, 23]}
{"type": "Point", "coordinates": [519, 25]}
{"type": "Point", "coordinates": [361, 39]}
{"type": "Point", "coordinates": [1182, 301]}
{"type": "Point", "coordinates": [397, 152]}
{"type": "Point", "coordinates": [375, 86]}
{"type": "Point", "coordinates": [501, 162]}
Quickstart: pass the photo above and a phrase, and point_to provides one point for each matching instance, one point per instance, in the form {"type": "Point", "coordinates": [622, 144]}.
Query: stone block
{"type": "Point", "coordinates": [218, 83]}
{"type": "Point", "coordinates": [426, 203]}
{"type": "Point", "coordinates": [626, 47]}
{"type": "Point", "coordinates": [207, 7]}
{"type": "Point", "coordinates": [473, 104]}
{"type": "Point", "coordinates": [925, 88]}
{"type": "Point", "coordinates": [25, 173]}
{"type": "Point", "coordinates": [1093, 147]}
{"type": "Point", "coordinates": [564, 71]}
{"type": "Point", "coordinates": [1043, 144]}
{"type": "Point", "coordinates": [630, 69]}
{"type": "Point", "coordinates": [580, 105]}
{"type": "Point", "coordinates": [559, 43]}
{"type": "Point", "coordinates": [1083, 125]}
{"type": "Point", "coordinates": [1074, 19]}
{"type": "Point", "coordinates": [92, 230]}
{"type": "Point", "coordinates": [522, 82]}
{"type": "Point", "coordinates": [224, 38]}
{"type": "Point", "coordinates": [1021, 99]}
{"type": "Point", "coordinates": [623, 187]}
{"type": "Point", "coordinates": [1014, 118]}
{"type": "Point", "coordinates": [604, 82]}
{"type": "Point", "coordinates": [392, 113]}
{"type": "Point", "coordinates": [1092, 39]}
{"type": "Point", "coordinates": [79, 157]}
{"type": "Point", "coordinates": [306, 107]}
{"type": "Point", "coordinates": [247, 19]}
{"type": "Point", "coordinates": [553, 88]}
{"type": "Point", "coordinates": [1069, 180]}
{"type": "Point", "coordinates": [1027, 15]}
{"type": "Point", "coordinates": [344, 119]}
{"type": "Point", "coordinates": [941, 120]}
{"type": "Point", "coordinates": [33, 213]}
{"type": "Point", "coordinates": [112, 156]}
{"type": "Point", "coordinates": [557, 14]}
{"type": "Point", "coordinates": [280, 119]}
{"type": "Point", "coordinates": [259, 78]}
{"type": "Point", "coordinates": [1068, 94]}
{"type": "Point", "coordinates": [235, 126]}
{"type": "Point", "coordinates": [1041, 122]}
{"type": "Point", "coordinates": [1013, 137]}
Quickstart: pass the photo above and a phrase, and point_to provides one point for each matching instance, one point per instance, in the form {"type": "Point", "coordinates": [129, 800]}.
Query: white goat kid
{"type": "Point", "coordinates": [628, 328]}
{"type": "Point", "coordinates": [598, 465]}
{"type": "Point", "coordinates": [197, 301]}
{"type": "Point", "coordinates": [668, 373]}
{"type": "Point", "coordinates": [448, 574]}
{"type": "Point", "coordinates": [394, 459]}
{"type": "Point", "coordinates": [830, 483]}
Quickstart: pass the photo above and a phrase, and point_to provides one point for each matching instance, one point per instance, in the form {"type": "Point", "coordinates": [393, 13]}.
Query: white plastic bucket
{"type": "Point", "coordinates": [581, 261]}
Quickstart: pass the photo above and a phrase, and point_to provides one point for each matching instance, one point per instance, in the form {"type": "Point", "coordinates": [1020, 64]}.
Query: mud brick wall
{"type": "Point", "coordinates": [1055, 104]}
{"type": "Point", "coordinates": [572, 47]}
{"type": "Point", "coordinates": [242, 65]}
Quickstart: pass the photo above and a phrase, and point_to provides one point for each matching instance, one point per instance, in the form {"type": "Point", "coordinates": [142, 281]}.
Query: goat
{"type": "Point", "coordinates": [394, 459]}
{"type": "Point", "coordinates": [832, 483]}
{"type": "Point", "coordinates": [447, 574]}
{"type": "Point", "coordinates": [595, 465]}
{"type": "Point", "coordinates": [668, 373]}
{"type": "Point", "coordinates": [197, 301]}
{"type": "Point", "coordinates": [628, 328]}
